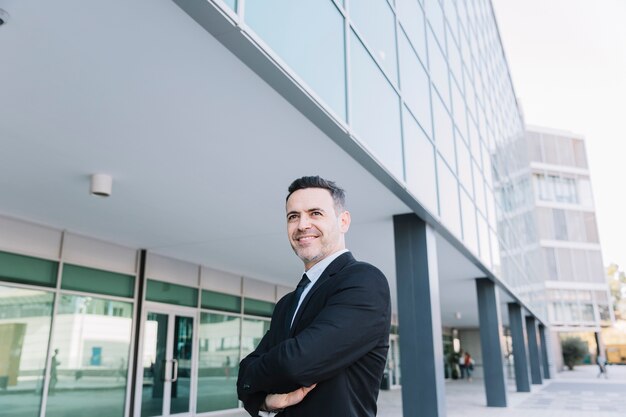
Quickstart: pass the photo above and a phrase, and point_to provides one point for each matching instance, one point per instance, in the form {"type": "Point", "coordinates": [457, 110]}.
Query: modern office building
{"type": "Point", "coordinates": [566, 250]}
{"type": "Point", "coordinates": [202, 112]}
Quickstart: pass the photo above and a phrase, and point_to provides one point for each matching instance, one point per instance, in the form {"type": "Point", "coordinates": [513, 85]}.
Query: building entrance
{"type": "Point", "coordinates": [166, 375]}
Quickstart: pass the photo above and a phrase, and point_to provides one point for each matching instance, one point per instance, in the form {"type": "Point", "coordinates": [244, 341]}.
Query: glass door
{"type": "Point", "coordinates": [167, 363]}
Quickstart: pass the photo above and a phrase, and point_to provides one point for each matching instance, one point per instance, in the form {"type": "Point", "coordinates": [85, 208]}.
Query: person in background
{"type": "Point", "coordinates": [469, 365]}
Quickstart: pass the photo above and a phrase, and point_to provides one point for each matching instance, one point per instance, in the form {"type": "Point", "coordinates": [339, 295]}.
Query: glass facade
{"type": "Point", "coordinates": [69, 348]}
{"type": "Point", "coordinates": [425, 88]}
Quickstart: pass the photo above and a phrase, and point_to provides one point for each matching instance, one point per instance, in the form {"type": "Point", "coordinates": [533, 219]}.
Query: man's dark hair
{"type": "Point", "coordinates": [336, 192]}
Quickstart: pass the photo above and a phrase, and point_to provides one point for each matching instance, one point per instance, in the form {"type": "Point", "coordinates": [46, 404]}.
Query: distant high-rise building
{"type": "Point", "coordinates": [562, 243]}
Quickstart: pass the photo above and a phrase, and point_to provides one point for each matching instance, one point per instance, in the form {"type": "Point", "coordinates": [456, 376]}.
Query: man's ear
{"type": "Point", "coordinates": [344, 221]}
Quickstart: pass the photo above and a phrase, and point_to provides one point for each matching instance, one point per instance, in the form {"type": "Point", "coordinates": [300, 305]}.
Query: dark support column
{"type": "Point", "coordinates": [520, 356]}
{"type": "Point", "coordinates": [419, 316]}
{"type": "Point", "coordinates": [544, 351]}
{"type": "Point", "coordinates": [493, 366]}
{"type": "Point", "coordinates": [533, 350]}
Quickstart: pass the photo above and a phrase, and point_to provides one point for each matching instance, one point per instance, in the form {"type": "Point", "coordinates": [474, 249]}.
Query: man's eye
{"type": "Point", "coordinates": [316, 213]}
{"type": "Point", "coordinates": [291, 217]}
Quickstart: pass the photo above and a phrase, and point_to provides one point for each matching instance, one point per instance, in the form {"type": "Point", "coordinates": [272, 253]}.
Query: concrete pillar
{"type": "Point", "coordinates": [490, 335]}
{"type": "Point", "coordinates": [419, 317]}
{"type": "Point", "coordinates": [545, 349]}
{"type": "Point", "coordinates": [520, 356]}
{"type": "Point", "coordinates": [533, 350]}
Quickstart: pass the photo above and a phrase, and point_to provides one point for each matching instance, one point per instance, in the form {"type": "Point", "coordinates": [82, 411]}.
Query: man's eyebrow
{"type": "Point", "coordinates": [307, 210]}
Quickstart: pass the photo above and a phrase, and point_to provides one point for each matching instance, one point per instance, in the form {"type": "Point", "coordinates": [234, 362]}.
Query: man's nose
{"type": "Point", "coordinates": [304, 223]}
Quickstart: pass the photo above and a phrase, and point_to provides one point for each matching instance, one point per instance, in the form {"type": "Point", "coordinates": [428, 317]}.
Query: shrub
{"type": "Point", "coordinates": [574, 350]}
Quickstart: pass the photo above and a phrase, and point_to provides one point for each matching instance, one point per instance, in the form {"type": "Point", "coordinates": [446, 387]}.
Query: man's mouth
{"type": "Point", "coordinates": [305, 239]}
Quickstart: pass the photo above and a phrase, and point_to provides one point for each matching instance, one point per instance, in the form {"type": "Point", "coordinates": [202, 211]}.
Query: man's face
{"type": "Point", "coordinates": [314, 228]}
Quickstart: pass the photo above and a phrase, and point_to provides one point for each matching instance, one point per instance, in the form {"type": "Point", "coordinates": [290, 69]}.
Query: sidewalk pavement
{"type": "Point", "coordinates": [577, 393]}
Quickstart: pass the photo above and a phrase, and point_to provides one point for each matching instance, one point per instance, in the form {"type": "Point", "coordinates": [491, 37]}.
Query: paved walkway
{"type": "Point", "coordinates": [577, 393]}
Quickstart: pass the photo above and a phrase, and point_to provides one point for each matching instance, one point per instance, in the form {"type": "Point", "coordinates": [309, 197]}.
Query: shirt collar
{"type": "Point", "coordinates": [318, 269]}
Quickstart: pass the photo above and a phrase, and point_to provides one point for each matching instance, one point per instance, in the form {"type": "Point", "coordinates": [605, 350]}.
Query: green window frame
{"type": "Point", "coordinates": [28, 270]}
{"type": "Point", "coordinates": [82, 278]}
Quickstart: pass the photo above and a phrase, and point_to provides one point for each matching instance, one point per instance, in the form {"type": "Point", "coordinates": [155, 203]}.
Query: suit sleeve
{"type": "Point", "coordinates": [353, 321]}
{"type": "Point", "coordinates": [252, 401]}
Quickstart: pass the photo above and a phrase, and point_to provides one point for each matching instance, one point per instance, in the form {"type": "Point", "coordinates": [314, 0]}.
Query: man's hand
{"type": "Point", "coordinates": [276, 402]}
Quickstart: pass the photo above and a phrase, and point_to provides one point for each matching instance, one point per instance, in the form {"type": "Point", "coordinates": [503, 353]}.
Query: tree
{"type": "Point", "coordinates": [574, 350]}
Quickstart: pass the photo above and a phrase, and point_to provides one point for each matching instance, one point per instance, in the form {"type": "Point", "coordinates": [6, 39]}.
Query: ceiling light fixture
{"type": "Point", "coordinates": [101, 185]}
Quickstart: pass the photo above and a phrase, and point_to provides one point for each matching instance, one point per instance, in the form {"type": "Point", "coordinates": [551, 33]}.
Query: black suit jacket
{"type": "Point", "coordinates": [339, 340]}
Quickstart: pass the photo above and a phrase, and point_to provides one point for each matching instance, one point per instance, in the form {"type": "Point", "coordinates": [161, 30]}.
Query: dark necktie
{"type": "Point", "coordinates": [296, 298]}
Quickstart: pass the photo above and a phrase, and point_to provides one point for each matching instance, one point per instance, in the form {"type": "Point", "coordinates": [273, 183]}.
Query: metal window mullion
{"type": "Point", "coordinates": [348, 68]}
{"type": "Point", "coordinates": [57, 294]}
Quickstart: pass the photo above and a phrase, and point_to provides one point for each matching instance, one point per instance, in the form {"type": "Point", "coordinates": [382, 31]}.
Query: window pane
{"type": "Point", "coordinates": [550, 262]}
{"type": "Point", "coordinates": [165, 292]}
{"type": "Point", "coordinates": [415, 85]}
{"type": "Point", "coordinates": [91, 343]}
{"type": "Point", "coordinates": [464, 161]}
{"type": "Point", "coordinates": [258, 307]}
{"type": "Point", "coordinates": [580, 156]}
{"type": "Point", "coordinates": [412, 21]}
{"type": "Point", "coordinates": [435, 18]}
{"type": "Point", "coordinates": [218, 362]}
{"type": "Point", "coordinates": [375, 109]}
{"type": "Point", "coordinates": [218, 301]}
{"type": "Point", "coordinates": [253, 331]}
{"type": "Point", "coordinates": [575, 226]}
{"type": "Point", "coordinates": [27, 270]}
{"type": "Point", "coordinates": [449, 198]}
{"type": "Point", "coordinates": [24, 329]}
{"type": "Point", "coordinates": [468, 213]}
{"type": "Point", "coordinates": [596, 267]}
{"type": "Point", "coordinates": [591, 229]}
{"type": "Point", "coordinates": [438, 69]}
{"type": "Point", "coordinates": [584, 191]}
{"type": "Point", "coordinates": [80, 278]}
{"type": "Point", "coordinates": [231, 3]}
{"type": "Point", "coordinates": [579, 261]}
{"type": "Point", "coordinates": [560, 225]}
{"type": "Point", "coordinates": [375, 21]}
{"type": "Point", "coordinates": [565, 264]}
{"type": "Point", "coordinates": [420, 163]}
{"type": "Point", "coordinates": [444, 134]}
{"type": "Point", "coordinates": [309, 37]}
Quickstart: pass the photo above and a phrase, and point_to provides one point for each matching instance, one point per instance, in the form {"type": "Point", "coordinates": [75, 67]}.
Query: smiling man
{"type": "Point", "coordinates": [325, 352]}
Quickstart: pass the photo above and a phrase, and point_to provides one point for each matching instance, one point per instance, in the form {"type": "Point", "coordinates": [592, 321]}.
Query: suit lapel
{"type": "Point", "coordinates": [334, 267]}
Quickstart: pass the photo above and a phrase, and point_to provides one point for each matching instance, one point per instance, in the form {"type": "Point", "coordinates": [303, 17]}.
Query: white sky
{"type": "Point", "coordinates": [568, 64]}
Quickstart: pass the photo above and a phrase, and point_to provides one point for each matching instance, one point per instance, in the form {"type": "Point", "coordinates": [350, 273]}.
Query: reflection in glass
{"type": "Point", "coordinates": [89, 366]}
{"type": "Point", "coordinates": [375, 109]}
{"type": "Point", "coordinates": [154, 360]}
{"type": "Point", "coordinates": [24, 329]}
{"type": "Point", "coordinates": [181, 374]}
{"type": "Point", "coordinates": [448, 198]}
{"type": "Point", "coordinates": [375, 21]}
{"type": "Point", "coordinates": [420, 163]}
{"type": "Point", "coordinates": [218, 361]}
{"type": "Point", "coordinates": [253, 331]}
{"type": "Point", "coordinates": [415, 84]}
{"type": "Point", "coordinates": [412, 21]}
{"type": "Point", "coordinates": [308, 36]}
